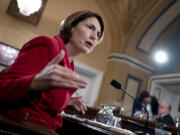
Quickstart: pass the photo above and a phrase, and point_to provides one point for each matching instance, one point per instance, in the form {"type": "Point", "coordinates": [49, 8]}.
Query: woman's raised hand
{"type": "Point", "coordinates": [56, 76]}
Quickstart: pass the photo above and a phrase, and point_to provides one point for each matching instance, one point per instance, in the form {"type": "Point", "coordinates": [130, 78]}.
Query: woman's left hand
{"type": "Point", "coordinates": [78, 104]}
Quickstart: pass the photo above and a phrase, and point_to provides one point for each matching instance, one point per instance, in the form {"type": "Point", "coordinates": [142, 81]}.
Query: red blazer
{"type": "Point", "coordinates": [41, 108]}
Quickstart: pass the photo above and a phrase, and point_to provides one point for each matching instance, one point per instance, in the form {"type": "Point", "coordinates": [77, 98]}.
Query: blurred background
{"type": "Point", "coordinates": [140, 48]}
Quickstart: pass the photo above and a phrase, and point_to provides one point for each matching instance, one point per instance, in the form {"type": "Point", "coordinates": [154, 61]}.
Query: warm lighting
{"type": "Point", "coordinates": [62, 22]}
{"type": "Point", "coordinates": [161, 57]}
{"type": "Point", "coordinates": [28, 7]}
{"type": "Point", "coordinates": [27, 10]}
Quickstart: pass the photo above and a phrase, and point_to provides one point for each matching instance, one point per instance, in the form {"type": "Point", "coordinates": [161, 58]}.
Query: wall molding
{"type": "Point", "coordinates": [95, 77]}
{"type": "Point", "coordinates": [153, 80]}
{"type": "Point", "coordinates": [131, 61]}
{"type": "Point", "coordinates": [168, 16]}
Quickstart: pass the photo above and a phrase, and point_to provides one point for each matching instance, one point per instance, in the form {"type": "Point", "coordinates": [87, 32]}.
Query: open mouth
{"type": "Point", "coordinates": [89, 44]}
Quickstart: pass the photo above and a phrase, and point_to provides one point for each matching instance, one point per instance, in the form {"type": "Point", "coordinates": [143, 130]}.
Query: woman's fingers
{"type": "Point", "coordinates": [57, 76]}
{"type": "Point", "coordinates": [76, 97]}
{"type": "Point", "coordinates": [57, 58]}
{"type": "Point", "coordinates": [78, 104]}
{"type": "Point", "coordinates": [67, 74]}
{"type": "Point", "coordinates": [60, 76]}
{"type": "Point", "coordinates": [82, 106]}
{"type": "Point", "coordinates": [82, 109]}
{"type": "Point", "coordinates": [66, 84]}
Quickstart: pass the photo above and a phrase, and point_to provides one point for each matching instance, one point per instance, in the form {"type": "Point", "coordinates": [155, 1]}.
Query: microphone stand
{"type": "Point", "coordinates": [117, 85]}
{"type": "Point", "coordinates": [147, 114]}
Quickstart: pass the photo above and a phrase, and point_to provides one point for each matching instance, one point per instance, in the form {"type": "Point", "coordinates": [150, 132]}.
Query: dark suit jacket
{"type": "Point", "coordinates": [154, 106]}
{"type": "Point", "coordinates": [167, 119]}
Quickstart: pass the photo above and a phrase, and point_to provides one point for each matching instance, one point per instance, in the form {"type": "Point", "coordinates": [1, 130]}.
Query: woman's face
{"type": "Point", "coordinates": [85, 35]}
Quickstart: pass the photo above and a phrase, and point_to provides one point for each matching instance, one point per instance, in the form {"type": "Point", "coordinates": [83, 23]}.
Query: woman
{"type": "Point", "coordinates": [39, 84]}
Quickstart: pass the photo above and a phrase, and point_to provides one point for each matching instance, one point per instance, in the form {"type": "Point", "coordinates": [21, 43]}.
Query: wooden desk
{"type": "Point", "coordinates": [11, 127]}
{"type": "Point", "coordinates": [135, 124]}
{"type": "Point", "coordinates": [77, 127]}
{"type": "Point", "coordinates": [130, 123]}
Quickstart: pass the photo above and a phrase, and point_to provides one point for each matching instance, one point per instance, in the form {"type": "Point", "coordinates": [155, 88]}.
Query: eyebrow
{"type": "Point", "coordinates": [99, 32]}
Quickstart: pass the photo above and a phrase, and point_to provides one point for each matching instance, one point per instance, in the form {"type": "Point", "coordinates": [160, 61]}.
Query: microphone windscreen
{"type": "Point", "coordinates": [116, 84]}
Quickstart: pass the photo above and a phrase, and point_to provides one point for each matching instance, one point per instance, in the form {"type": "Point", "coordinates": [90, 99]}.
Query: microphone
{"type": "Point", "coordinates": [117, 85]}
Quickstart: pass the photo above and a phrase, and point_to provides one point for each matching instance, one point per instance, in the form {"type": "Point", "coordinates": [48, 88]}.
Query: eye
{"type": "Point", "coordinates": [93, 28]}
{"type": "Point", "coordinates": [90, 27]}
{"type": "Point", "coordinates": [98, 35]}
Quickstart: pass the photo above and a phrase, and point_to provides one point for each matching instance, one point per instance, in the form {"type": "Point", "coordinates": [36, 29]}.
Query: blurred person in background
{"type": "Point", "coordinates": [163, 114]}
{"type": "Point", "coordinates": [151, 104]}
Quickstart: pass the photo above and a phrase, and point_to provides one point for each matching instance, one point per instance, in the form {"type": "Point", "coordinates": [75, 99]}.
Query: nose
{"type": "Point", "coordinates": [94, 36]}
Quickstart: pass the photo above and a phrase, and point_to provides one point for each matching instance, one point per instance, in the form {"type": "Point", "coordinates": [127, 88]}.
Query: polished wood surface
{"type": "Point", "coordinates": [132, 122]}
{"type": "Point", "coordinates": [128, 122]}
{"type": "Point", "coordinates": [83, 128]}
{"type": "Point", "coordinates": [12, 127]}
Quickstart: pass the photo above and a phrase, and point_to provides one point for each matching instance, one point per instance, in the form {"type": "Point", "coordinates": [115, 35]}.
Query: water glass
{"type": "Point", "coordinates": [115, 121]}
